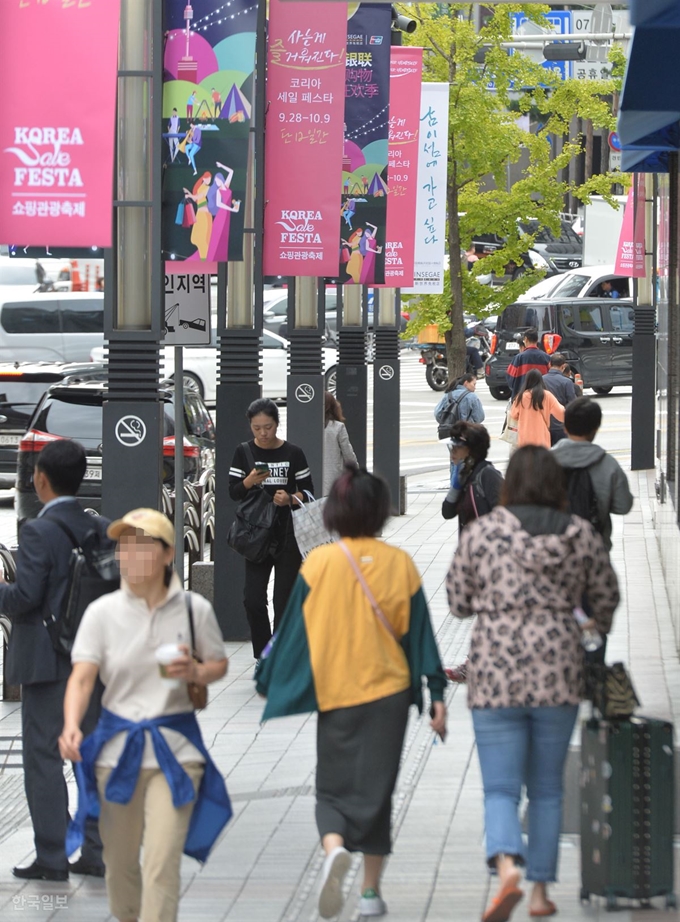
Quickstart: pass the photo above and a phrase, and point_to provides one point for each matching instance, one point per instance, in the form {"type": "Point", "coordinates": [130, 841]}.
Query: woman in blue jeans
{"type": "Point", "coordinates": [522, 569]}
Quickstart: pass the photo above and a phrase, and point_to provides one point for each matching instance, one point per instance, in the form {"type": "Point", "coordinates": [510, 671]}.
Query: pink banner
{"type": "Point", "coordinates": [406, 68]}
{"type": "Point", "coordinates": [303, 142]}
{"type": "Point", "coordinates": [630, 259]}
{"type": "Point", "coordinates": [58, 76]}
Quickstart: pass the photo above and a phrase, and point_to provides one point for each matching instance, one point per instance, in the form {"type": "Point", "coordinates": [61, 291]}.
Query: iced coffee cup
{"type": "Point", "coordinates": [165, 654]}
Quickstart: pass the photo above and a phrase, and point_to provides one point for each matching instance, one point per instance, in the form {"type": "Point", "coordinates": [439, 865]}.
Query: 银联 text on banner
{"type": "Point", "coordinates": [58, 75]}
{"type": "Point", "coordinates": [303, 140]}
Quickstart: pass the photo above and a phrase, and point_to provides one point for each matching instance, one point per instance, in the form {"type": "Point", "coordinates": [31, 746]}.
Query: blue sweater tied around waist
{"type": "Point", "coordinates": [212, 809]}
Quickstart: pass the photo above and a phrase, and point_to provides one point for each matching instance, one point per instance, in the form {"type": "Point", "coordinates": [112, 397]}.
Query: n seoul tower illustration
{"type": "Point", "coordinates": [187, 69]}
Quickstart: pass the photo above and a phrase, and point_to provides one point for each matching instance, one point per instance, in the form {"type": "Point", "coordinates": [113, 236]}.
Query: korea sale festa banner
{"type": "Point", "coordinates": [303, 138]}
{"type": "Point", "coordinates": [433, 145]}
{"type": "Point", "coordinates": [57, 131]}
{"type": "Point", "coordinates": [209, 64]}
{"type": "Point", "coordinates": [406, 71]}
{"type": "Point", "coordinates": [365, 151]}
{"type": "Point", "coordinates": [630, 257]}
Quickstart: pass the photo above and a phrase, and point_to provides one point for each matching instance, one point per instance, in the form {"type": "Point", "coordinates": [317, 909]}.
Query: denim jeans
{"type": "Point", "coordinates": [524, 746]}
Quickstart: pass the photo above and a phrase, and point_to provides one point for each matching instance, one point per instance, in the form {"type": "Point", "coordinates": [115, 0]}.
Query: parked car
{"type": "Point", "coordinates": [200, 366]}
{"type": "Point", "coordinates": [565, 251]}
{"type": "Point", "coordinates": [73, 410]}
{"type": "Point", "coordinates": [26, 274]}
{"type": "Point", "coordinates": [22, 384]}
{"type": "Point", "coordinates": [595, 335]}
{"type": "Point", "coordinates": [50, 326]}
{"type": "Point", "coordinates": [581, 283]}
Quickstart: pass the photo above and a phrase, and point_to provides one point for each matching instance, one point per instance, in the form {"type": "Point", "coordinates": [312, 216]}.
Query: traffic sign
{"type": "Point", "coordinates": [187, 310]}
{"type": "Point", "coordinates": [130, 431]}
{"type": "Point", "coordinates": [559, 23]}
{"type": "Point", "coordinates": [614, 141]}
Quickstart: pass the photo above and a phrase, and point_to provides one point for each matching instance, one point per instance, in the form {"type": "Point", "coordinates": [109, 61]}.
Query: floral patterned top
{"type": "Point", "coordinates": [525, 649]}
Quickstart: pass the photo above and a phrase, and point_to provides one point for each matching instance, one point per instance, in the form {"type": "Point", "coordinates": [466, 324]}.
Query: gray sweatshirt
{"type": "Point", "coordinates": [608, 478]}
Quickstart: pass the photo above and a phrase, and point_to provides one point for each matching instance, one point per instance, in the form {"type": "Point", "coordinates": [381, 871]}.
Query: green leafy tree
{"type": "Point", "coordinates": [484, 139]}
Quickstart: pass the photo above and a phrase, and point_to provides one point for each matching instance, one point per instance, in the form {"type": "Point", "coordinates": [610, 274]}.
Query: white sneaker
{"type": "Point", "coordinates": [371, 904]}
{"type": "Point", "coordinates": [335, 868]}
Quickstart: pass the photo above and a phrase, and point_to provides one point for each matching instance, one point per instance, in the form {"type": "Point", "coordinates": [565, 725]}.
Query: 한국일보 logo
{"type": "Point", "coordinates": [44, 160]}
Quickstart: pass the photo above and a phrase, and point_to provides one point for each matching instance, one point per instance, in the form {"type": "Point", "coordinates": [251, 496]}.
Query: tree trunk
{"type": "Point", "coordinates": [589, 149]}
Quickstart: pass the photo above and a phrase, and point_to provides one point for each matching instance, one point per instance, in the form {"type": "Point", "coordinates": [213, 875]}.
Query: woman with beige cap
{"type": "Point", "coordinates": [146, 762]}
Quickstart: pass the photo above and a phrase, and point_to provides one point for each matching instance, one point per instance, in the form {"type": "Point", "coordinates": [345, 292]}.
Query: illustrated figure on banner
{"type": "Point", "coordinates": [369, 248]}
{"type": "Point", "coordinates": [214, 206]}
{"type": "Point", "coordinates": [193, 146]}
{"type": "Point", "coordinates": [173, 135]}
{"type": "Point", "coordinates": [356, 259]}
{"type": "Point", "coordinates": [190, 104]}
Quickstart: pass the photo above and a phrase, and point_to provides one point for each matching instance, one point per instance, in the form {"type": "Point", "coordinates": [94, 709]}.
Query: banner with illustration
{"type": "Point", "coordinates": [406, 71]}
{"type": "Point", "coordinates": [630, 256]}
{"type": "Point", "coordinates": [57, 130]}
{"type": "Point", "coordinates": [303, 140]}
{"type": "Point", "coordinates": [365, 148]}
{"type": "Point", "coordinates": [209, 63]}
{"type": "Point", "coordinates": [433, 143]}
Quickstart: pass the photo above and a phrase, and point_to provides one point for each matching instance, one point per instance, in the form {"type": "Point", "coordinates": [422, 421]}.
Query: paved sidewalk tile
{"type": "Point", "coordinates": [266, 866]}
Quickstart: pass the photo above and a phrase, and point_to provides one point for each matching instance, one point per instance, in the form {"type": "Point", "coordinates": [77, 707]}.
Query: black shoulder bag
{"type": "Point", "coordinates": [252, 533]}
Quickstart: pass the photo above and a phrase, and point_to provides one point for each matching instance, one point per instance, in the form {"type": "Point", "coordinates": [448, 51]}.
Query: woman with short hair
{"type": "Point", "coordinates": [522, 570]}
{"type": "Point", "coordinates": [475, 482]}
{"type": "Point", "coordinates": [281, 470]}
{"type": "Point", "coordinates": [354, 644]}
{"type": "Point", "coordinates": [146, 761]}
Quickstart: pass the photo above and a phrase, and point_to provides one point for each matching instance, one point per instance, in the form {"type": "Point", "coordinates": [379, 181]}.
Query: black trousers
{"type": "Point", "coordinates": [285, 565]}
{"type": "Point", "coordinates": [42, 720]}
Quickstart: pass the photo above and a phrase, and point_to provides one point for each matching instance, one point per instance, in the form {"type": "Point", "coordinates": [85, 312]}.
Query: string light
{"type": "Point", "coordinates": [362, 134]}
{"type": "Point", "coordinates": [180, 33]}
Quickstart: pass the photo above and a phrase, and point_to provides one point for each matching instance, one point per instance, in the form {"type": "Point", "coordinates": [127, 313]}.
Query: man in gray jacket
{"type": "Point", "coordinates": [582, 419]}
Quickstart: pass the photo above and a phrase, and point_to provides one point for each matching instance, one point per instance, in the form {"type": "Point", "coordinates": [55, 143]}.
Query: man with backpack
{"type": "Point", "coordinates": [38, 597]}
{"type": "Point", "coordinates": [460, 403]}
{"type": "Point", "coordinates": [596, 484]}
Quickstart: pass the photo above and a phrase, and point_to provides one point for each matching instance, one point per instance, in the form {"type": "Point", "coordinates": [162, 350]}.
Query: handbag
{"type": "Point", "coordinates": [198, 694]}
{"type": "Point", "coordinates": [308, 525]}
{"type": "Point", "coordinates": [611, 690]}
{"type": "Point", "coordinates": [252, 533]}
{"type": "Point", "coordinates": [189, 218]}
{"type": "Point", "coordinates": [510, 429]}
{"type": "Point", "coordinates": [179, 217]}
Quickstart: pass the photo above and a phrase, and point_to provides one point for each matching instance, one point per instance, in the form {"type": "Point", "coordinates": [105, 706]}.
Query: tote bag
{"type": "Point", "coordinates": [308, 525]}
{"type": "Point", "coordinates": [510, 428]}
{"type": "Point", "coordinates": [179, 218]}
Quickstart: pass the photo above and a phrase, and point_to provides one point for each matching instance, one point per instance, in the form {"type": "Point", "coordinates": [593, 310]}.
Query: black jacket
{"type": "Point", "coordinates": [484, 485]}
{"type": "Point", "coordinates": [563, 389]}
{"type": "Point", "coordinates": [42, 579]}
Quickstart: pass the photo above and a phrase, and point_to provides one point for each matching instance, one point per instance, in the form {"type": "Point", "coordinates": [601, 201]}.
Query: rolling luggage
{"type": "Point", "coordinates": [627, 810]}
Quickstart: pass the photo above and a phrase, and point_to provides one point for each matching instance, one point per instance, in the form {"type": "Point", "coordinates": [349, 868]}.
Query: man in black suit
{"type": "Point", "coordinates": [41, 583]}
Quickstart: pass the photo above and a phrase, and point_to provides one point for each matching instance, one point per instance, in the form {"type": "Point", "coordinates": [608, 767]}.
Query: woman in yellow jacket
{"type": "Point", "coordinates": [532, 408]}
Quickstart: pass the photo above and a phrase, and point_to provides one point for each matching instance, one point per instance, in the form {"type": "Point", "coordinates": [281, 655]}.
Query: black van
{"type": "Point", "coordinates": [594, 334]}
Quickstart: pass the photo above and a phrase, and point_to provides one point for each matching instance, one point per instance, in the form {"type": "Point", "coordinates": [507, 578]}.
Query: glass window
{"type": "Point", "coordinates": [270, 342]}
{"type": "Point", "coordinates": [568, 316]}
{"type": "Point", "coordinates": [31, 317]}
{"type": "Point", "coordinates": [83, 316]}
{"type": "Point", "coordinates": [570, 287]}
{"type": "Point", "coordinates": [81, 421]}
{"type": "Point", "coordinates": [18, 274]}
{"type": "Point", "coordinates": [591, 319]}
{"type": "Point", "coordinates": [521, 316]}
{"type": "Point", "coordinates": [622, 318]}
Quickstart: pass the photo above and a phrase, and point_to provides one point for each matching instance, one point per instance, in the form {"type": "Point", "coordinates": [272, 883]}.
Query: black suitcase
{"type": "Point", "coordinates": [627, 810]}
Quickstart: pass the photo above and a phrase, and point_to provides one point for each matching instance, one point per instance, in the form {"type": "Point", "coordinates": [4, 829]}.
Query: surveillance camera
{"type": "Point", "coordinates": [403, 23]}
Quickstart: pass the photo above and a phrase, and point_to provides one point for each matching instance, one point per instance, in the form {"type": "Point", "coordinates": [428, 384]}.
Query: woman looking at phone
{"type": "Point", "coordinates": [281, 469]}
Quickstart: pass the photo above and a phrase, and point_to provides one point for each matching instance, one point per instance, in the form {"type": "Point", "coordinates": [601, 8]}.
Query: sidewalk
{"type": "Point", "coordinates": [266, 867]}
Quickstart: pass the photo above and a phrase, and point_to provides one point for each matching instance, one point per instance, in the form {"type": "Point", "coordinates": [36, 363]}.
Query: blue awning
{"type": "Point", "coordinates": [649, 118]}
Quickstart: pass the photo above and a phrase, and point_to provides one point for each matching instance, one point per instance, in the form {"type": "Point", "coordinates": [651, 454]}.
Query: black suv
{"type": "Point", "coordinates": [594, 334]}
{"type": "Point", "coordinates": [22, 384]}
{"type": "Point", "coordinates": [74, 411]}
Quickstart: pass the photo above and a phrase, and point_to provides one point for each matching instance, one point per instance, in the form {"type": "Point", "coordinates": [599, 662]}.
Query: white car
{"type": "Point", "coordinates": [200, 367]}
{"type": "Point", "coordinates": [580, 283]}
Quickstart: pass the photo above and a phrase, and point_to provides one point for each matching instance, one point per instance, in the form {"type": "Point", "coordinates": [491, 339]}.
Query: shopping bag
{"type": "Point", "coordinates": [308, 525]}
{"type": "Point", "coordinates": [510, 427]}
{"type": "Point", "coordinates": [180, 214]}
{"type": "Point", "coordinates": [611, 690]}
{"type": "Point", "coordinates": [189, 215]}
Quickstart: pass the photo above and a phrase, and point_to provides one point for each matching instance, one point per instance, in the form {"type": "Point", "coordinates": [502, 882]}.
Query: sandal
{"type": "Point", "coordinates": [502, 905]}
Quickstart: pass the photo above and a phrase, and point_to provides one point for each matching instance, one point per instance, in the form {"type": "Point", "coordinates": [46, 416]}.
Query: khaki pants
{"type": "Point", "coordinates": [149, 892]}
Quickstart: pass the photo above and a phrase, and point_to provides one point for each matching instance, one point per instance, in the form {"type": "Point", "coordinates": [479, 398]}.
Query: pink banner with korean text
{"type": "Point", "coordinates": [630, 258]}
{"type": "Point", "coordinates": [303, 142]}
{"type": "Point", "coordinates": [406, 69]}
{"type": "Point", "coordinates": [58, 76]}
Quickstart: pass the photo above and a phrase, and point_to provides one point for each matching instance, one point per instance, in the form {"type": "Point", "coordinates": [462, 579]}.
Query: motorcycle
{"type": "Point", "coordinates": [434, 358]}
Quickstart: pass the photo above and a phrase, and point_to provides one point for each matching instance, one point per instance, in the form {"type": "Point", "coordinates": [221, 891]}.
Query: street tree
{"type": "Point", "coordinates": [490, 88]}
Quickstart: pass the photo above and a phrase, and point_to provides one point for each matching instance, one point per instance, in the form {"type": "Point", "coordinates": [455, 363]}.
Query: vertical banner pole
{"type": "Point", "coordinates": [179, 462]}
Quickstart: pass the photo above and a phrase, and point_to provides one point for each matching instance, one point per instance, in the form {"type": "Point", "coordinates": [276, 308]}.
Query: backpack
{"type": "Point", "coordinates": [449, 416]}
{"type": "Point", "coordinates": [582, 497]}
{"type": "Point", "coordinates": [93, 572]}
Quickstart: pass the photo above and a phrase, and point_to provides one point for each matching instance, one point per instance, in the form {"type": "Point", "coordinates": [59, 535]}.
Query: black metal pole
{"type": "Point", "coordinates": [132, 415]}
{"type": "Point", "coordinates": [352, 378]}
{"type": "Point", "coordinates": [643, 404]}
{"type": "Point", "coordinates": [386, 388]}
